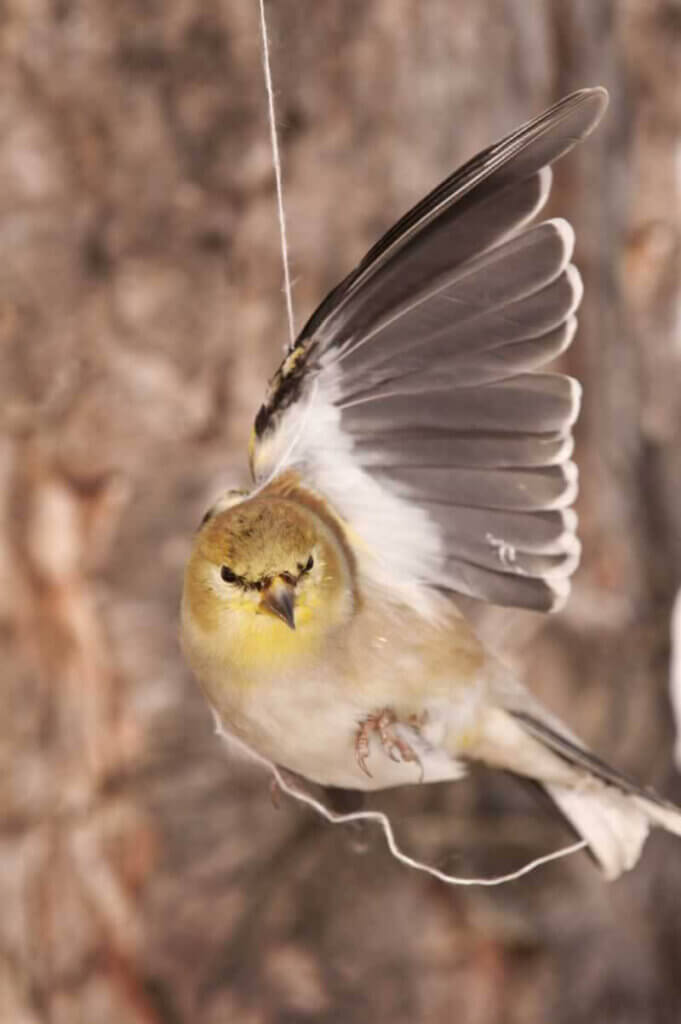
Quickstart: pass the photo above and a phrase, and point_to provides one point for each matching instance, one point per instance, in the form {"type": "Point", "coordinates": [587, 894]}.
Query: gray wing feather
{"type": "Point", "coordinates": [526, 152]}
{"type": "Point", "coordinates": [531, 403]}
{"type": "Point", "coordinates": [522, 563]}
{"type": "Point", "coordinates": [470, 366]}
{"type": "Point", "coordinates": [440, 331]}
{"type": "Point", "coordinates": [429, 352]}
{"type": "Point", "coordinates": [508, 273]}
{"type": "Point", "coordinates": [515, 490]}
{"type": "Point", "coordinates": [449, 242]}
{"type": "Point", "coordinates": [404, 448]}
{"type": "Point", "coordinates": [504, 588]}
{"type": "Point", "coordinates": [542, 534]}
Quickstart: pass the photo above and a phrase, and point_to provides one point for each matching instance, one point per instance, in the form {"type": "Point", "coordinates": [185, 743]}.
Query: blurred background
{"type": "Point", "coordinates": [145, 874]}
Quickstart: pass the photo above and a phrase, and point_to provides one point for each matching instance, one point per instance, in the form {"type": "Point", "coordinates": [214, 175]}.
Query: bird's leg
{"type": "Point", "coordinates": [396, 748]}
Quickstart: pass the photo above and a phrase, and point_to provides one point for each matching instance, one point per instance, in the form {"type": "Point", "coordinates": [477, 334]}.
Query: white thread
{"type": "Point", "coordinates": [277, 171]}
{"type": "Point", "coordinates": [383, 821]}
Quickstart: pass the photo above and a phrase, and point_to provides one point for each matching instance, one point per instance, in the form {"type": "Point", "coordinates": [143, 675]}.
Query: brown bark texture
{"type": "Point", "coordinates": [145, 875]}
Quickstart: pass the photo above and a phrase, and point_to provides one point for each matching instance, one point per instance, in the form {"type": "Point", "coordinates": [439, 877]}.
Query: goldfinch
{"type": "Point", "coordinates": [409, 449]}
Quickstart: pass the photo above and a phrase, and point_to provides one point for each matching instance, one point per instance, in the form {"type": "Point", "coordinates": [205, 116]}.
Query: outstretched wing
{"type": "Point", "coordinates": [411, 398]}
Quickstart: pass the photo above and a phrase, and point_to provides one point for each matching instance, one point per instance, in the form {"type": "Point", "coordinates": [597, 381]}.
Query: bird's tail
{"type": "Point", "coordinates": [612, 813]}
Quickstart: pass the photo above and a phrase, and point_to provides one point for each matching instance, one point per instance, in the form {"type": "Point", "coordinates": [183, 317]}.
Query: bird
{"type": "Point", "coordinates": [412, 449]}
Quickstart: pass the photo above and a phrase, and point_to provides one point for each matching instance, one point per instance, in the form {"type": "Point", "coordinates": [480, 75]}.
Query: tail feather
{"type": "Point", "coordinates": [572, 751]}
{"type": "Point", "coordinates": [610, 811]}
{"type": "Point", "coordinates": [607, 808]}
{"type": "Point", "coordinates": [613, 826]}
{"type": "Point", "coordinates": [660, 813]}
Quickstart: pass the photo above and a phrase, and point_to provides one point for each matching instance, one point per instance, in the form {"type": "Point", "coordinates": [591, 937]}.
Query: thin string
{"type": "Point", "coordinates": [277, 171]}
{"type": "Point", "coordinates": [382, 819]}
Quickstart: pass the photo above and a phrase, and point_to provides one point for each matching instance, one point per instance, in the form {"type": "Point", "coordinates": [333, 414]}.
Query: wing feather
{"type": "Point", "coordinates": [457, 237]}
{"type": "Point", "coordinates": [404, 448]}
{"type": "Point", "coordinates": [412, 400]}
{"type": "Point", "coordinates": [528, 403]}
{"type": "Point", "coordinates": [526, 151]}
{"type": "Point", "coordinates": [440, 331]}
{"type": "Point", "coordinates": [545, 533]}
{"type": "Point", "coordinates": [513, 490]}
{"type": "Point", "coordinates": [534, 593]}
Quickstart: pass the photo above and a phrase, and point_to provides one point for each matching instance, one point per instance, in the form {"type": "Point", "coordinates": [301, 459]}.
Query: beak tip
{"type": "Point", "coordinates": [286, 610]}
{"type": "Point", "coordinates": [280, 600]}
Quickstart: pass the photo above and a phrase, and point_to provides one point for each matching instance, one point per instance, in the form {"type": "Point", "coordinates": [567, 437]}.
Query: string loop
{"type": "Point", "coordinates": [383, 822]}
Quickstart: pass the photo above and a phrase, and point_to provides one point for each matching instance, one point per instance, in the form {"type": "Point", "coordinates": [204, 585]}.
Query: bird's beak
{"type": "Point", "coordinates": [280, 600]}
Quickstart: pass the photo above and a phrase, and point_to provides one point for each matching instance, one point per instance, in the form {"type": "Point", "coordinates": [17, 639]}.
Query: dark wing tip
{"type": "Point", "coordinates": [595, 99]}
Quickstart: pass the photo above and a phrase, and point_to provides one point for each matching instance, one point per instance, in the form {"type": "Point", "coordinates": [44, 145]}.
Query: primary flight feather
{"type": "Point", "coordinates": [412, 447]}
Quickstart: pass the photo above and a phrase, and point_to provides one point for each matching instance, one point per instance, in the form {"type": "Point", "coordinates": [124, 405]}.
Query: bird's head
{"type": "Point", "coordinates": [266, 581]}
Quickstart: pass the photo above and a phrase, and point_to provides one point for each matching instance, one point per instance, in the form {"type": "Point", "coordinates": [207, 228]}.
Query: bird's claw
{"type": "Point", "coordinates": [397, 749]}
{"type": "Point", "coordinates": [362, 745]}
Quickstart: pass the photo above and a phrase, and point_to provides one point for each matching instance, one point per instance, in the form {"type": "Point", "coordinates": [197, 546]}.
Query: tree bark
{"type": "Point", "coordinates": [144, 874]}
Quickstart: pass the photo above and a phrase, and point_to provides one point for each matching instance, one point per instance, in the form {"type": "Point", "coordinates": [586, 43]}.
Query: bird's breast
{"type": "Point", "coordinates": [304, 713]}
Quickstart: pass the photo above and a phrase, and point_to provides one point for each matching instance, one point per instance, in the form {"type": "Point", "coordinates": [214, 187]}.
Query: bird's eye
{"type": "Point", "coordinates": [227, 574]}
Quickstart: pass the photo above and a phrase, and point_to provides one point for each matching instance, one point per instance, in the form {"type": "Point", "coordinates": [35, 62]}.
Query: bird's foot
{"type": "Point", "coordinates": [382, 723]}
